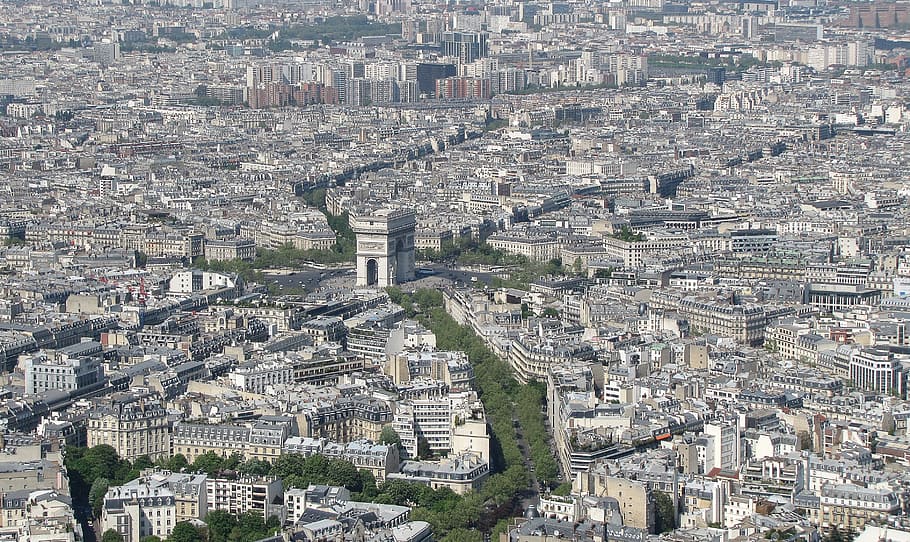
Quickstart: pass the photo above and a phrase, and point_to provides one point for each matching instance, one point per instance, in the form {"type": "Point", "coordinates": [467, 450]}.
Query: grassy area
{"type": "Point", "coordinates": [741, 63]}
{"type": "Point", "coordinates": [341, 28]}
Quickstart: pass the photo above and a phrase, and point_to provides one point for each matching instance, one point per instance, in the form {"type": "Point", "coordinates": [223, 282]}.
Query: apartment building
{"type": "Point", "coordinates": [878, 370]}
{"type": "Point", "coordinates": [453, 368]}
{"type": "Point", "coordinates": [43, 373]}
{"type": "Point", "coordinates": [633, 253]}
{"type": "Point", "coordinates": [325, 329]}
{"type": "Point", "coordinates": [253, 441]}
{"type": "Point", "coordinates": [797, 341]}
{"type": "Point", "coordinates": [137, 511]}
{"type": "Point", "coordinates": [537, 248]}
{"type": "Point", "coordinates": [132, 425]}
{"type": "Point", "coordinates": [163, 245]}
{"type": "Point", "coordinates": [261, 375]}
{"type": "Point", "coordinates": [531, 356]}
{"type": "Point", "coordinates": [745, 323]}
{"type": "Point", "coordinates": [325, 367]}
{"type": "Point", "coordinates": [188, 490]}
{"type": "Point", "coordinates": [852, 507]}
{"type": "Point", "coordinates": [463, 473]}
{"type": "Point", "coordinates": [231, 249]}
{"type": "Point", "coordinates": [346, 419]}
{"type": "Point", "coordinates": [379, 459]}
{"type": "Point", "coordinates": [752, 241]}
{"type": "Point", "coordinates": [635, 499]}
{"type": "Point", "coordinates": [261, 495]}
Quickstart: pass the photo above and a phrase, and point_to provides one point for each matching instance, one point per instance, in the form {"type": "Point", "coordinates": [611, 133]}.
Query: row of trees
{"type": "Point", "coordinates": [504, 400]}
{"type": "Point", "coordinates": [495, 383]}
{"type": "Point", "coordinates": [295, 470]}
{"type": "Point", "coordinates": [93, 470]}
{"type": "Point", "coordinates": [471, 252]}
{"type": "Point", "coordinates": [286, 256]}
{"type": "Point", "coordinates": [345, 240]}
{"type": "Point", "coordinates": [454, 518]}
{"type": "Point", "coordinates": [420, 301]}
{"type": "Point", "coordinates": [528, 408]}
{"type": "Point", "coordinates": [490, 508]}
{"type": "Point", "coordinates": [220, 526]}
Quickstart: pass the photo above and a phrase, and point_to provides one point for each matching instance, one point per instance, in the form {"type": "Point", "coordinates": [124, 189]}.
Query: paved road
{"type": "Point", "coordinates": [460, 277]}
{"type": "Point", "coordinates": [308, 278]}
{"type": "Point", "coordinates": [311, 279]}
{"type": "Point", "coordinates": [532, 498]}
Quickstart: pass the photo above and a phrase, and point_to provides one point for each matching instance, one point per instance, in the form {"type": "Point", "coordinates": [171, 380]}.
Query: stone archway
{"type": "Point", "coordinates": [372, 272]}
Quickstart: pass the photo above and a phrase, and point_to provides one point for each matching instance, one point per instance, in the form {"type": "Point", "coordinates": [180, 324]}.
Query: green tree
{"type": "Point", "coordinates": [835, 536]}
{"type": "Point", "coordinates": [389, 436]}
{"type": "Point", "coordinates": [427, 299]}
{"type": "Point", "coordinates": [150, 538]}
{"type": "Point", "coordinates": [577, 266]}
{"type": "Point", "coordinates": [232, 462]}
{"type": "Point", "coordinates": [111, 535]}
{"type": "Point", "coordinates": [463, 535]}
{"type": "Point", "coordinates": [368, 490]}
{"type": "Point", "coordinates": [554, 267]}
{"type": "Point", "coordinates": [397, 492]}
{"type": "Point", "coordinates": [423, 447]}
{"type": "Point", "coordinates": [143, 462]}
{"type": "Point", "coordinates": [563, 489]}
{"type": "Point", "coordinates": [220, 524]}
{"type": "Point", "coordinates": [629, 235]}
{"type": "Point", "coordinates": [176, 463]}
{"type": "Point", "coordinates": [99, 461]}
{"type": "Point", "coordinates": [96, 494]}
{"type": "Point", "coordinates": [250, 526]}
{"type": "Point", "coordinates": [209, 463]}
{"type": "Point", "coordinates": [665, 513]}
{"type": "Point", "coordinates": [185, 532]}
{"type": "Point", "coordinates": [255, 467]}
{"type": "Point", "coordinates": [344, 473]}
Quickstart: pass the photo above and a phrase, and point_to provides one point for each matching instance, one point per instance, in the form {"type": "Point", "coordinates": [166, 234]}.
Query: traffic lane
{"type": "Point", "coordinates": [460, 275]}
{"type": "Point", "coordinates": [306, 278]}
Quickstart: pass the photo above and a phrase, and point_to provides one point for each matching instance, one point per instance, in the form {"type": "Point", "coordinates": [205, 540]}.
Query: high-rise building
{"type": "Point", "coordinates": [428, 74]}
{"type": "Point", "coordinates": [465, 46]}
{"type": "Point", "coordinates": [717, 75]}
